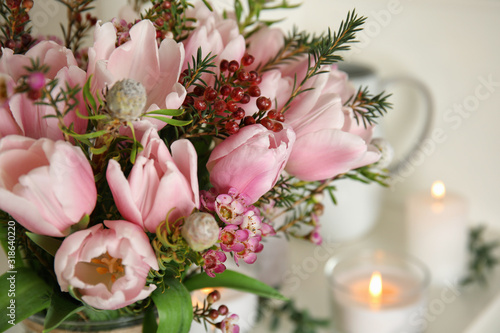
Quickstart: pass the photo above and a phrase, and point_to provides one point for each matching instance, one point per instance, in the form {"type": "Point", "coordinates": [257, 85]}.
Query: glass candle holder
{"type": "Point", "coordinates": [377, 291]}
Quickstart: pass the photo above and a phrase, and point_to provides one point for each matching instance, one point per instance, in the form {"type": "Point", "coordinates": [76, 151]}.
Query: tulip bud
{"type": "Point", "coordinates": [201, 231]}
{"type": "Point", "coordinates": [386, 150]}
{"type": "Point", "coordinates": [126, 100]}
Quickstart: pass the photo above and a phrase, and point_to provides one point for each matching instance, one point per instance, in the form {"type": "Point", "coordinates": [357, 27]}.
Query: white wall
{"type": "Point", "coordinates": [451, 46]}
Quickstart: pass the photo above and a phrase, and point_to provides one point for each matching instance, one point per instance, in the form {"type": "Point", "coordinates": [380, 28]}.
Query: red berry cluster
{"type": "Point", "coordinates": [235, 87]}
{"type": "Point", "coordinates": [162, 18]}
{"type": "Point", "coordinates": [209, 313]}
{"type": "Point", "coordinates": [18, 19]}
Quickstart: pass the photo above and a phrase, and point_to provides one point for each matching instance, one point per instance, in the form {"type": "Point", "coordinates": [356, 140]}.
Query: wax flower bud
{"type": "Point", "coordinates": [201, 231]}
{"type": "Point", "coordinates": [126, 100]}
{"type": "Point", "coordinates": [386, 150]}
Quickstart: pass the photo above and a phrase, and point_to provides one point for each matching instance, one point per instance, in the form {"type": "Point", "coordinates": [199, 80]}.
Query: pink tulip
{"type": "Point", "coordinates": [107, 267]}
{"type": "Point", "coordinates": [157, 183]}
{"type": "Point", "coordinates": [215, 35]}
{"type": "Point", "coordinates": [140, 59]}
{"type": "Point", "coordinates": [250, 161]}
{"type": "Point", "coordinates": [329, 142]}
{"type": "Point", "coordinates": [265, 45]}
{"type": "Point", "coordinates": [46, 186]}
{"type": "Point", "coordinates": [23, 116]}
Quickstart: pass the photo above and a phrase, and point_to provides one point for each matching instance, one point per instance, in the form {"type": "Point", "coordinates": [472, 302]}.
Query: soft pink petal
{"type": "Point", "coordinates": [186, 159]}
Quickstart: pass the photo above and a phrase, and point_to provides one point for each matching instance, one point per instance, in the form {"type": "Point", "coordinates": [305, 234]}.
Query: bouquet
{"type": "Point", "coordinates": [133, 170]}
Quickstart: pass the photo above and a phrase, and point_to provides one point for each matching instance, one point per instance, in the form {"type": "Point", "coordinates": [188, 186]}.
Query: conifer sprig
{"type": "Point", "coordinates": [368, 108]}
{"type": "Point", "coordinates": [324, 52]}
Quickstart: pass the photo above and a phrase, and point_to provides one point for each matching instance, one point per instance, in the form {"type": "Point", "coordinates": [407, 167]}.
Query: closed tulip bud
{"type": "Point", "coordinates": [126, 100]}
{"type": "Point", "coordinates": [200, 231]}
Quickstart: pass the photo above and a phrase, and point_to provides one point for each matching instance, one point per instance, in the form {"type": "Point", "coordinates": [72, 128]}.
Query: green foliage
{"type": "Point", "coordinates": [24, 290]}
{"type": "Point", "coordinates": [62, 306]}
{"type": "Point", "coordinates": [49, 244]}
{"type": "Point", "coordinates": [233, 280]}
{"type": "Point", "coordinates": [367, 107]}
{"type": "Point", "coordinates": [173, 254]}
{"type": "Point", "coordinates": [15, 26]}
{"type": "Point", "coordinates": [77, 28]}
{"type": "Point", "coordinates": [302, 321]}
{"type": "Point", "coordinates": [482, 256]}
{"type": "Point", "coordinates": [175, 310]}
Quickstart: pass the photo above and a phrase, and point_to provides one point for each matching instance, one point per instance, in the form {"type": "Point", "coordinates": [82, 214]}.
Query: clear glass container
{"type": "Point", "coordinates": [396, 307]}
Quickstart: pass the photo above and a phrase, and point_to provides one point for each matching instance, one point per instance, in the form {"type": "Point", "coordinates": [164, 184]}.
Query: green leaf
{"type": "Point", "coordinates": [234, 280]}
{"type": "Point", "coordinates": [24, 292]}
{"type": "Point", "coordinates": [8, 240]}
{"type": "Point", "coordinates": [175, 308]}
{"type": "Point", "coordinates": [167, 112]}
{"type": "Point", "coordinates": [88, 96]}
{"type": "Point", "coordinates": [149, 323]}
{"type": "Point", "coordinates": [62, 306]}
{"type": "Point", "coordinates": [173, 122]}
{"type": "Point", "coordinates": [49, 244]}
{"type": "Point", "coordinates": [90, 135]}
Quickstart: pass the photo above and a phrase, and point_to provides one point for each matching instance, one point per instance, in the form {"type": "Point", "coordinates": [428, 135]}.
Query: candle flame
{"type": "Point", "coordinates": [376, 284]}
{"type": "Point", "coordinates": [438, 190]}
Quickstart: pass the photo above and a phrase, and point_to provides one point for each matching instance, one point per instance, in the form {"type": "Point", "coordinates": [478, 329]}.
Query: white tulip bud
{"type": "Point", "coordinates": [126, 100]}
{"type": "Point", "coordinates": [200, 230]}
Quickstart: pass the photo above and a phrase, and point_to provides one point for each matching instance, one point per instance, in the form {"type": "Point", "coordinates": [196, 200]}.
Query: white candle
{"type": "Point", "coordinates": [241, 303]}
{"type": "Point", "coordinates": [379, 293]}
{"type": "Point", "coordinates": [437, 232]}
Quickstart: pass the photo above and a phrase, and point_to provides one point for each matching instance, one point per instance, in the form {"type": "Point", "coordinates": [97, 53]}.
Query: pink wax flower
{"type": "Point", "coordinates": [250, 161]}
{"type": "Point", "coordinates": [24, 116]}
{"type": "Point", "coordinates": [157, 68]}
{"type": "Point", "coordinates": [158, 182]}
{"type": "Point", "coordinates": [46, 186]}
{"type": "Point", "coordinates": [228, 324]}
{"type": "Point", "coordinates": [214, 262]}
{"type": "Point", "coordinates": [107, 267]}
{"type": "Point", "coordinates": [214, 35]}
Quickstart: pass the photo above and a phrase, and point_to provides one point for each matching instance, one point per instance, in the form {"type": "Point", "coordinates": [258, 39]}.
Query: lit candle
{"type": "Point", "coordinates": [437, 232]}
{"type": "Point", "coordinates": [377, 292]}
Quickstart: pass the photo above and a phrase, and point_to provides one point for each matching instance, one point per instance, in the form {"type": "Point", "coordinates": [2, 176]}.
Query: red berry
{"type": "Point", "coordinates": [27, 5]}
{"type": "Point", "coordinates": [237, 94]}
{"type": "Point", "coordinates": [253, 76]}
{"type": "Point", "coordinates": [258, 80]}
{"type": "Point", "coordinates": [10, 44]}
{"type": "Point", "coordinates": [243, 75]}
{"type": "Point", "coordinates": [213, 297]}
{"type": "Point", "coordinates": [219, 106]}
{"type": "Point", "coordinates": [272, 114]}
{"type": "Point", "coordinates": [159, 34]}
{"type": "Point", "coordinates": [249, 120]}
{"type": "Point", "coordinates": [26, 39]}
{"type": "Point", "coordinates": [200, 105]}
{"type": "Point", "coordinates": [199, 91]}
{"type": "Point", "coordinates": [225, 90]}
{"type": "Point", "coordinates": [232, 127]}
{"type": "Point", "coordinates": [189, 100]}
{"type": "Point", "coordinates": [224, 64]}
{"type": "Point", "coordinates": [247, 59]}
{"type": "Point", "coordinates": [159, 22]}
{"type": "Point", "coordinates": [239, 114]}
{"type": "Point", "coordinates": [277, 127]}
{"type": "Point", "coordinates": [254, 91]}
{"type": "Point", "coordinates": [34, 94]}
{"type": "Point", "coordinates": [231, 106]}
{"type": "Point", "coordinates": [263, 103]}
{"type": "Point", "coordinates": [210, 94]}
{"type": "Point", "coordinates": [267, 123]}
{"type": "Point", "coordinates": [13, 4]}
{"type": "Point", "coordinates": [223, 310]}
{"type": "Point", "coordinates": [167, 5]}
{"type": "Point", "coordinates": [245, 99]}
{"type": "Point", "coordinates": [233, 66]}
{"type": "Point", "coordinates": [280, 117]}
{"type": "Point", "coordinates": [213, 314]}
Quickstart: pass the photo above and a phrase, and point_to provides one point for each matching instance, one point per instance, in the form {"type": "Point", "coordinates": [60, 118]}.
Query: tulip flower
{"type": "Point", "coordinates": [107, 268]}
{"type": "Point", "coordinates": [46, 186]}
{"type": "Point", "coordinates": [250, 161]}
{"type": "Point", "coordinates": [158, 182]}
{"type": "Point", "coordinates": [20, 114]}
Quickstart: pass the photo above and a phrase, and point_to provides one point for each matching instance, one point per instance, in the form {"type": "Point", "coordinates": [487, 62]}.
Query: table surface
{"type": "Point", "coordinates": [472, 310]}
